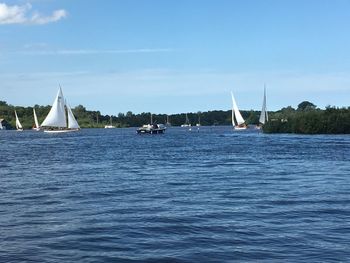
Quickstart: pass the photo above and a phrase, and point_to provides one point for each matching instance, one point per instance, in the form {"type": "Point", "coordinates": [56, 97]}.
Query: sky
{"type": "Point", "coordinates": [175, 56]}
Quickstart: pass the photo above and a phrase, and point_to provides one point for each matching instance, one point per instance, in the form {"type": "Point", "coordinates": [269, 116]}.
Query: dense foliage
{"type": "Point", "coordinates": [307, 119]}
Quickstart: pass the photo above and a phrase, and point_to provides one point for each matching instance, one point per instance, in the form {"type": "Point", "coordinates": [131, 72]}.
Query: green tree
{"type": "Point", "coordinates": [306, 105]}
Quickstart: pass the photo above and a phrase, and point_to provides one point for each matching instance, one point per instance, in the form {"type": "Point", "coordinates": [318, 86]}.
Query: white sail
{"type": "Point", "coordinates": [57, 115]}
{"type": "Point", "coordinates": [72, 122]}
{"type": "Point", "coordinates": [18, 123]}
{"type": "Point", "coordinates": [263, 115]}
{"type": "Point", "coordinates": [1, 127]}
{"type": "Point", "coordinates": [35, 119]}
{"type": "Point", "coordinates": [233, 115]}
{"type": "Point", "coordinates": [235, 112]}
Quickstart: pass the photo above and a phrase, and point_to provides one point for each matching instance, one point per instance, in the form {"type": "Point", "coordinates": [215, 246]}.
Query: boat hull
{"type": "Point", "coordinates": [238, 128]}
{"type": "Point", "coordinates": [61, 131]}
{"type": "Point", "coordinates": [150, 131]}
{"type": "Point", "coordinates": [155, 131]}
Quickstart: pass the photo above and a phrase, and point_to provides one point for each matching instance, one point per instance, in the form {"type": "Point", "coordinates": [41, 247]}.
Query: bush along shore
{"type": "Point", "coordinates": [306, 119]}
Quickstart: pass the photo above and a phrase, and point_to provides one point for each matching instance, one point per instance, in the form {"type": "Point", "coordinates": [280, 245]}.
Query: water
{"type": "Point", "coordinates": [109, 195]}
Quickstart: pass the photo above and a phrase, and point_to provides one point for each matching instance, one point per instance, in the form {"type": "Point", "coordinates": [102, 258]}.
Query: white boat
{"type": "Point", "coordinates": [152, 128]}
{"type": "Point", "coordinates": [110, 126]}
{"type": "Point", "coordinates": [199, 121]}
{"type": "Point", "coordinates": [237, 115]}
{"type": "Point", "coordinates": [1, 126]}
{"type": "Point", "coordinates": [18, 123]}
{"type": "Point", "coordinates": [36, 127]}
{"type": "Point", "coordinates": [56, 121]}
{"type": "Point", "coordinates": [187, 122]}
{"type": "Point", "coordinates": [167, 123]}
{"type": "Point", "coordinates": [263, 115]}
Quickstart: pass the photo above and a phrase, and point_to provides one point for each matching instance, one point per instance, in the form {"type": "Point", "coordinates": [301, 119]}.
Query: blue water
{"type": "Point", "coordinates": [109, 195]}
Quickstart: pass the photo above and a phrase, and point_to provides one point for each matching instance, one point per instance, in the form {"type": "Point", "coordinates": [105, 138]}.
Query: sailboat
{"type": "Point", "coordinates": [167, 123]}
{"type": "Point", "coordinates": [187, 122]}
{"type": "Point", "coordinates": [56, 120]}
{"type": "Point", "coordinates": [36, 127]}
{"type": "Point", "coordinates": [18, 123]}
{"type": "Point", "coordinates": [199, 121]}
{"type": "Point", "coordinates": [237, 115]}
{"type": "Point", "coordinates": [263, 115]}
{"type": "Point", "coordinates": [1, 126]}
{"type": "Point", "coordinates": [110, 126]}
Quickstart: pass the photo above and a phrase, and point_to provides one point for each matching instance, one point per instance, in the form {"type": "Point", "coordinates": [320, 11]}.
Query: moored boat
{"type": "Point", "coordinates": [151, 129]}
{"type": "Point", "coordinates": [110, 126]}
{"type": "Point", "coordinates": [187, 122]}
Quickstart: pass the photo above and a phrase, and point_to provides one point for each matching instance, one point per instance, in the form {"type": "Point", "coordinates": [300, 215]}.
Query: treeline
{"type": "Point", "coordinates": [94, 119]}
{"type": "Point", "coordinates": [308, 119]}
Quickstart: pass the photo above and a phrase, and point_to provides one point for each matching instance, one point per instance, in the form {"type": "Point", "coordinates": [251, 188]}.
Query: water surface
{"type": "Point", "coordinates": [104, 195]}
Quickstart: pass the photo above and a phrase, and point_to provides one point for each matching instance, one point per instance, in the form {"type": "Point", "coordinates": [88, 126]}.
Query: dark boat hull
{"type": "Point", "coordinates": [150, 131]}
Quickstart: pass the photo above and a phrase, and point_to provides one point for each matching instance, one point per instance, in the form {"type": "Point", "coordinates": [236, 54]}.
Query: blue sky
{"type": "Point", "coordinates": [175, 56]}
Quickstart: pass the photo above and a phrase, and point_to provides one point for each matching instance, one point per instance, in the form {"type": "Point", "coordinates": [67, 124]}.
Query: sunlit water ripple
{"type": "Point", "coordinates": [105, 195]}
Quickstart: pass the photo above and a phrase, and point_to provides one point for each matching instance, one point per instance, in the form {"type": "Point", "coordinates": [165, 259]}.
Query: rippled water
{"type": "Point", "coordinates": [105, 195]}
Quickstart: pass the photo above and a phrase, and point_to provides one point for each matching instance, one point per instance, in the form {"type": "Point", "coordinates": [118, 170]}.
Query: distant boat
{"type": "Point", "coordinates": [36, 127]}
{"type": "Point", "coordinates": [237, 115]}
{"type": "Point", "coordinates": [110, 126]}
{"type": "Point", "coordinates": [187, 122]}
{"type": "Point", "coordinates": [168, 124]}
{"type": "Point", "coordinates": [152, 128]}
{"type": "Point", "coordinates": [18, 123]}
{"type": "Point", "coordinates": [263, 115]}
{"type": "Point", "coordinates": [56, 121]}
{"type": "Point", "coordinates": [199, 121]}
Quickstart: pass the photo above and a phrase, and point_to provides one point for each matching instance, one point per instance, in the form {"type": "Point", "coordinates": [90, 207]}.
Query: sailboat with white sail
{"type": "Point", "coordinates": [263, 115]}
{"type": "Point", "coordinates": [18, 123]}
{"type": "Point", "coordinates": [236, 115]}
{"type": "Point", "coordinates": [187, 122]}
{"type": "Point", "coordinates": [36, 125]}
{"type": "Point", "coordinates": [56, 121]}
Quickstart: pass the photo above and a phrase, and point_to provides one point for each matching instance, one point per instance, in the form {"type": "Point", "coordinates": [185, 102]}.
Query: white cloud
{"type": "Point", "coordinates": [40, 20]}
{"type": "Point", "coordinates": [21, 15]}
{"type": "Point", "coordinates": [13, 14]}
{"type": "Point", "coordinates": [95, 51]}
